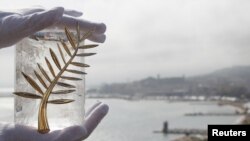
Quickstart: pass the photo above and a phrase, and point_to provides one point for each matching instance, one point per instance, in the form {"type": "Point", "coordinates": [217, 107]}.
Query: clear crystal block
{"type": "Point", "coordinates": [31, 51]}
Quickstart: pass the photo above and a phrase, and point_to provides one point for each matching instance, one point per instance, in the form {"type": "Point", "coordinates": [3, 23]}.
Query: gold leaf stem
{"type": "Point", "coordinates": [43, 126]}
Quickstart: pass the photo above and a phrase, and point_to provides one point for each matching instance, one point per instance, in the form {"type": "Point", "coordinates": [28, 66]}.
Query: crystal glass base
{"type": "Point", "coordinates": [29, 53]}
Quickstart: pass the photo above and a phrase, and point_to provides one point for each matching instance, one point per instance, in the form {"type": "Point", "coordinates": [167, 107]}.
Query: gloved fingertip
{"type": "Point", "coordinates": [78, 13]}
{"type": "Point", "coordinates": [100, 28]}
{"type": "Point", "coordinates": [104, 108]}
{"type": "Point", "coordinates": [96, 117]}
{"type": "Point", "coordinates": [103, 39]}
{"type": "Point", "coordinates": [57, 11]}
{"type": "Point", "coordinates": [98, 38]}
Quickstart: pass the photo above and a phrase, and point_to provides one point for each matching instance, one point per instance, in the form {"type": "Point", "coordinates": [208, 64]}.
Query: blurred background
{"type": "Point", "coordinates": [181, 61]}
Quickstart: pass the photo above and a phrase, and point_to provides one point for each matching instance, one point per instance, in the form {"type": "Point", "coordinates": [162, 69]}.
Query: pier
{"type": "Point", "coordinates": [187, 131]}
{"type": "Point", "coordinates": [166, 130]}
{"type": "Point", "coordinates": [214, 114]}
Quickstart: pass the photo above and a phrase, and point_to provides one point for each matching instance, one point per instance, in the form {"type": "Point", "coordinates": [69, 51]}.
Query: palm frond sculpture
{"type": "Point", "coordinates": [44, 93]}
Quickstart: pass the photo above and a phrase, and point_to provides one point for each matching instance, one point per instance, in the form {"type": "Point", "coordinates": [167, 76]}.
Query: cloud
{"type": "Point", "coordinates": [172, 37]}
{"type": "Point", "coordinates": [169, 37]}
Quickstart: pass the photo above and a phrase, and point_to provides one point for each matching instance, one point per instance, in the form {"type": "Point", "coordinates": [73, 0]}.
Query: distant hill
{"type": "Point", "coordinates": [234, 81]}
{"type": "Point", "coordinates": [237, 72]}
{"type": "Point", "coordinates": [233, 76]}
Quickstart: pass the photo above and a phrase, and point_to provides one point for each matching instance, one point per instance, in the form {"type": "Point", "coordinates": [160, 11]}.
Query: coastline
{"type": "Point", "coordinates": [132, 108]}
{"type": "Point", "coordinates": [245, 119]}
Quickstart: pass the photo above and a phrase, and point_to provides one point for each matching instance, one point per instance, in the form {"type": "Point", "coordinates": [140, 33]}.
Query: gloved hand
{"type": "Point", "coordinates": [73, 133]}
{"type": "Point", "coordinates": [14, 26]}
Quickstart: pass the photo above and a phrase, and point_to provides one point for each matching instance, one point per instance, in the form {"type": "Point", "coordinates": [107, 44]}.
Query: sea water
{"type": "Point", "coordinates": [137, 120]}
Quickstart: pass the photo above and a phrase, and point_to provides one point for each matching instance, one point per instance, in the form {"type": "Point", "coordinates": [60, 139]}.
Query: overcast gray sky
{"type": "Point", "coordinates": [145, 38]}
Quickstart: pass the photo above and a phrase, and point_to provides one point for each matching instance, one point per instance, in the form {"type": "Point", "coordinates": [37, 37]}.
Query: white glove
{"type": "Point", "coordinates": [17, 25]}
{"type": "Point", "coordinates": [73, 133]}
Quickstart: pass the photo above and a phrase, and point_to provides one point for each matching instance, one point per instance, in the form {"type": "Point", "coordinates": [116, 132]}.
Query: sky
{"type": "Point", "coordinates": [146, 38]}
